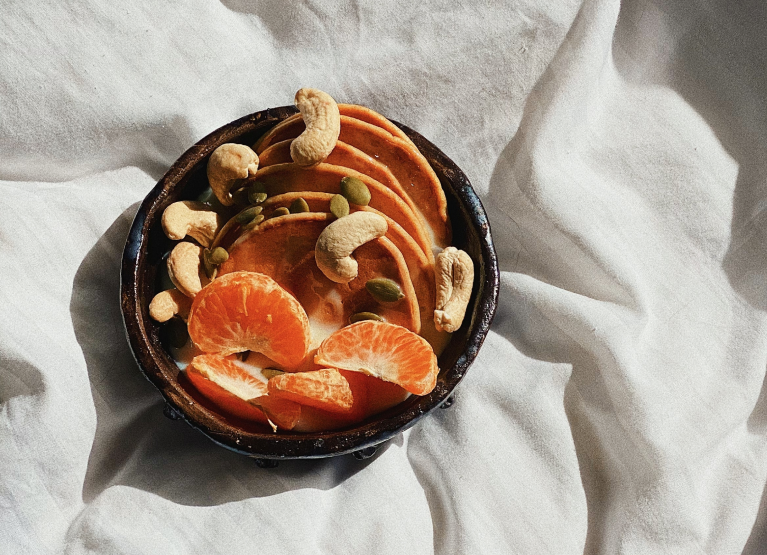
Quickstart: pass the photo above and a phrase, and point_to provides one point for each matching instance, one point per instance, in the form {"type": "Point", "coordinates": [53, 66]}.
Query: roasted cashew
{"type": "Point", "coordinates": [455, 276]}
{"type": "Point", "coordinates": [191, 218]}
{"type": "Point", "coordinates": [167, 304]}
{"type": "Point", "coordinates": [323, 125]}
{"type": "Point", "coordinates": [184, 267]}
{"type": "Point", "coordinates": [228, 166]}
{"type": "Point", "coordinates": [339, 239]}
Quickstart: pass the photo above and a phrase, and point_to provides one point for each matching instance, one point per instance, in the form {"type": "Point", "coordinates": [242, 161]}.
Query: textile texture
{"type": "Point", "coordinates": [618, 404]}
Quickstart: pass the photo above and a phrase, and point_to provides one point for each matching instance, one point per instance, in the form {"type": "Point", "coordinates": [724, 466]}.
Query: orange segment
{"type": "Point", "coordinates": [324, 389]}
{"type": "Point", "coordinates": [385, 351]}
{"type": "Point", "coordinates": [326, 178]}
{"type": "Point", "coordinates": [283, 248]}
{"type": "Point", "coordinates": [246, 311]}
{"type": "Point", "coordinates": [229, 388]}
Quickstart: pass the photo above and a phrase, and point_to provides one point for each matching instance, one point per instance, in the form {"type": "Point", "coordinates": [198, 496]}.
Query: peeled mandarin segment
{"type": "Point", "coordinates": [283, 413]}
{"type": "Point", "coordinates": [326, 178]}
{"type": "Point", "coordinates": [324, 389]}
{"type": "Point", "coordinates": [227, 386]}
{"type": "Point", "coordinates": [385, 351]}
{"type": "Point", "coordinates": [247, 311]}
{"type": "Point", "coordinates": [283, 248]}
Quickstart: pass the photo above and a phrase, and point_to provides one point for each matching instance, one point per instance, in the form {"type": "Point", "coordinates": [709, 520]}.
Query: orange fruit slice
{"type": "Point", "coordinates": [324, 389]}
{"type": "Point", "coordinates": [283, 248]}
{"type": "Point", "coordinates": [326, 178]}
{"type": "Point", "coordinates": [230, 387]}
{"type": "Point", "coordinates": [246, 311]}
{"type": "Point", "coordinates": [385, 351]}
{"type": "Point", "coordinates": [372, 117]}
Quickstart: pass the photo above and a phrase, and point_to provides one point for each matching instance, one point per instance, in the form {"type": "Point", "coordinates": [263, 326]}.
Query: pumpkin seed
{"type": "Point", "coordinates": [355, 191]}
{"type": "Point", "coordinates": [210, 268]}
{"type": "Point", "coordinates": [384, 290]}
{"type": "Point", "coordinates": [257, 220]}
{"type": "Point", "coordinates": [360, 316]}
{"type": "Point", "coordinates": [281, 211]}
{"type": "Point", "coordinates": [257, 192]}
{"type": "Point", "coordinates": [218, 256]}
{"type": "Point", "coordinates": [298, 205]}
{"type": "Point", "coordinates": [339, 206]}
{"type": "Point", "coordinates": [269, 373]}
{"type": "Point", "coordinates": [247, 215]}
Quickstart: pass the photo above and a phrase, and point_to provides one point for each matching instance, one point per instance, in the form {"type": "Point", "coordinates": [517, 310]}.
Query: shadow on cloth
{"type": "Point", "coordinates": [134, 444]}
{"type": "Point", "coordinates": [718, 68]}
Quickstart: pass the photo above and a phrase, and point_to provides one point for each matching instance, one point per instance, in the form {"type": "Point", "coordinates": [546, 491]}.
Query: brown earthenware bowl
{"type": "Point", "coordinates": [143, 256]}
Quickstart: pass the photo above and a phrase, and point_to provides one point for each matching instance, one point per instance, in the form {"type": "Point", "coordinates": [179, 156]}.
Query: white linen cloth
{"type": "Point", "coordinates": [618, 404]}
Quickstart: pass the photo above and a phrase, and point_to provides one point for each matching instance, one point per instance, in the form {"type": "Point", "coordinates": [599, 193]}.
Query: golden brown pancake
{"type": "Point", "coordinates": [413, 172]}
{"type": "Point", "coordinates": [346, 156]}
{"type": "Point", "coordinates": [326, 178]}
{"type": "Point", "coordinates": [283, 248]}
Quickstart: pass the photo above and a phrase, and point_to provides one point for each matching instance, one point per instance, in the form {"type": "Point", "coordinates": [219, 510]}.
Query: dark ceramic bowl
{"type": "Point", "coordinates": [143, 256]}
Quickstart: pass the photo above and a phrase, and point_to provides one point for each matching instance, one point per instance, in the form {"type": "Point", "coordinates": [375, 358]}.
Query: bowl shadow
{"type": "Point", "coordinates": [134, 444]}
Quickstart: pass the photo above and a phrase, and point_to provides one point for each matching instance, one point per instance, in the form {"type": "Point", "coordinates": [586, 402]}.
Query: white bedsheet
{"type": "Point", "coordinates": [618, 403]}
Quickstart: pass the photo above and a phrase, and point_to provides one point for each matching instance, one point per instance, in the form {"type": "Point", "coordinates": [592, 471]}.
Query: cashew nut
{"type": "Point", "coordinates": [184, 268]}
{"type": "Point", "coordinates": [323, 125]}
{"type": "Point", "coordinates": [191, 218]}
{"type": "Point", "coordinates": [167, 304]}
{"type": "Point", "coordinates": [339, 239]}
{"type": "Point", "coordinates": [455, 276]}
{"type": "Point", "coordinates": [229, 166]}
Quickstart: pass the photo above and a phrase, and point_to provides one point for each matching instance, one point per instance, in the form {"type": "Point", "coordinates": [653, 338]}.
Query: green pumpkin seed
{"type": "Point", "coordinates": [339, 206]}
{"type": "Point", "coordinates": [247, 215]}
{"type": "Point", "coordinates": [299, 205]}
{"type": "Point", "coordinates": [360, 316]}
{"type": "Point", "coordinates": [269, 373]}
{"type": "Point", "coordinates": [257, 220]}
{"type": "Point", "coordinates": [175, 332]}
{"type": "Point", "coordinates": [355, 191]}
{"type": "Point", "coordinates": [257, 193]}
{"type": "Point", "coordinates": [218, 256]}
{"type": "Point", "coordinates": [281, 211]}
{"type": "Point", "coordinates": [384, 290]}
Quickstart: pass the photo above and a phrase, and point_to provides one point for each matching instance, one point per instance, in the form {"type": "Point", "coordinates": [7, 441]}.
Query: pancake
{"type": "Point", "coordinates": [413, 172]}
{"type": "Point", "coordinates": [421, 269]}
{"type": "Point", "coordinates": [283, 248]}
{"type": "Point", "coordinates": [326, 178]}
{"type": "Point", "coordinates": [346, 156]}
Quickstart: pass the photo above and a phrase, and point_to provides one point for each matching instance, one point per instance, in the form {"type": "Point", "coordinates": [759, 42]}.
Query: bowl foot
{"type": "Point", "coordinates": [365, 453]}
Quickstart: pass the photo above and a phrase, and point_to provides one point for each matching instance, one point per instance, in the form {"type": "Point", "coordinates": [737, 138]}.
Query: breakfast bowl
{"type": "Point", "coordinates": [145, 255]}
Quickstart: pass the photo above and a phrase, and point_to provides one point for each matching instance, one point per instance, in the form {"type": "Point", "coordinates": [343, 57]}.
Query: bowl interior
{"type": "Point", "coordinates": [147, 245]}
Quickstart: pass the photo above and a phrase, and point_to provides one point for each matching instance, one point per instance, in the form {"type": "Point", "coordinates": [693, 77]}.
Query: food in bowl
{"type": "Point", "coordinates": [315, 277]}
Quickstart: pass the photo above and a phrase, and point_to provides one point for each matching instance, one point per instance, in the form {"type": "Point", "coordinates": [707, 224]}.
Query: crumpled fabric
{"type": "Point", "coordinates": [618, 404]}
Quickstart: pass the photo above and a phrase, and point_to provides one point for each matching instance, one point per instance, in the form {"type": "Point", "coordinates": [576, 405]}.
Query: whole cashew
{"type": "Point", "coordinates": [184, 267]}
{"type": "Point", "coordinates": [228, 166]}
{"type": "Point", "coordinates": [323, 125]}
{"type": "Point", "coordinates": [339, 239]}
{"type": "Point", "coordinates": [167, 304]}
{"type": "Point", "coordinates": [455, 276]}
{"type": "Point", "coordinates": [191, 218]}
